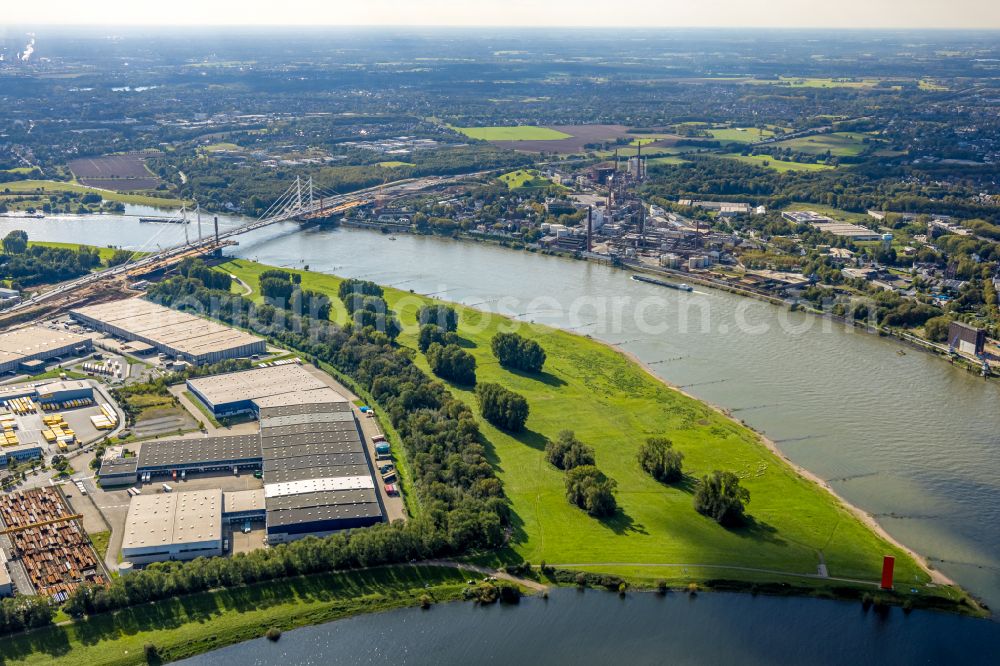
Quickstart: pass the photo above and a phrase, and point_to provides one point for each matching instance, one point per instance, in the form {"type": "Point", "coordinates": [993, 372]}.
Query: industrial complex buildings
{"type": "Point", "coordinates": [27, 349]}
{"type": "Point", "coordinates": [309, 451]}
{"type": "Point", "coordinates": [173, 526]}
{"type": "Point", "coordinates": [179, 334]}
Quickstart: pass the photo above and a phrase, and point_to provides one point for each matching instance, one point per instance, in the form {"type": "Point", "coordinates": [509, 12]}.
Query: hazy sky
{"type": "Point", "coordinates": [648, 13]}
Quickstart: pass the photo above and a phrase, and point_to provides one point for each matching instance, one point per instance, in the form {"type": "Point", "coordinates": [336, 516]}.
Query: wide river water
{"type": "Point", "coordinates": [897, 432]}
{"type": "Point", "coordinates": [600, 628]}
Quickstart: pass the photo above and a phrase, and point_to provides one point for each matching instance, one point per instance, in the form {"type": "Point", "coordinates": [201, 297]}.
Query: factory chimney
{"type": "Point", "coordinates": [590, 228]}
{"type": "Point", "coordinates": [218, 248]}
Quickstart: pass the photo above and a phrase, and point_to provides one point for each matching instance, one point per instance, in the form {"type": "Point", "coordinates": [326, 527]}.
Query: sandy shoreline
{"type": "Point", "coordinates": [866, 518]}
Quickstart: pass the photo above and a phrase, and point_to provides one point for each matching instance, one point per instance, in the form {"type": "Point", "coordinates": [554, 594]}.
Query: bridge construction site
{"type": "Point", "coordinates": [302, 201]}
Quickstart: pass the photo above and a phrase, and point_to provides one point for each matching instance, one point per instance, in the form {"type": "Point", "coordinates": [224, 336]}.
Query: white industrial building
{"type": "Point", "coordinates": [38, 343]}
{"type": "Point", "coordinates": [179, 334]}
{"type": "Point", "coordinates": [173, 526]}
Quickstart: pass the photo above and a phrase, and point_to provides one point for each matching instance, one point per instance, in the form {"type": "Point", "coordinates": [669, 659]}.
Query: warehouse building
{"type": "Point", "coordinates": [206, 454]}
{"type": "Point", "coordinates": [26, 349]}
{"type": "Point", "coordinates": [249, 390]}
{"type": "Point", "coordinates": [242, 505]}
{"type": "Point", "coordinates": [318, 477]}
{"type": "Point", "coordinates": [20, 453]}
{"type": "Point", "coordinates": [173, 526]}
{"type": "Point", "coordinates": [179, 334]}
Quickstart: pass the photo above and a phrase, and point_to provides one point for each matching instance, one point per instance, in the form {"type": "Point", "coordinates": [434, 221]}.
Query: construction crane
{"type": "Point", "coordinates": [61, 519]}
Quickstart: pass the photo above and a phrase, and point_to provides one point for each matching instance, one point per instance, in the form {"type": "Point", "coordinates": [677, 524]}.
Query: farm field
{"type": "Point", "coordinates": [740, 134]}
{"type": "Point", "coordinates": [613, 404]}
{"type": "Point", "coordinates": [842, 144]}
{"type": "Point", "coordinates": [114, 172]}
{"type": "Point", "coordinates": [780, 166]}
{"type": "Point", "coordinates": [46, 187]}
{"type": "Point", "coordinates": [515, 133]}
{"type": "Point", "coordinates": [561, 139]}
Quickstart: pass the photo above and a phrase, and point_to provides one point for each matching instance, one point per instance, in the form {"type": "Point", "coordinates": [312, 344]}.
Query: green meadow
{"type": "Point", "coordinates": [46, 187]}
{"type": "Point", "coordinates": [843, 144]}
{"type": "Point", "coordinates": [613, 404]}
{"type": "Point", "coordinates": [780, 166]}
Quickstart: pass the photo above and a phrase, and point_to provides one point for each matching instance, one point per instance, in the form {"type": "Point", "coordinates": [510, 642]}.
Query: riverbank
{"type": "Point", "coordinates": [182, 627]}
{"type": "Point", "coordinates": [799, 529]}
{"type": "Point", "coordinates": [936, 576]}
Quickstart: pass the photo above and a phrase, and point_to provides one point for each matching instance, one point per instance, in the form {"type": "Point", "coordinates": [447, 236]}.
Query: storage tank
{"type": "Point", "coordinates": [125, 568]}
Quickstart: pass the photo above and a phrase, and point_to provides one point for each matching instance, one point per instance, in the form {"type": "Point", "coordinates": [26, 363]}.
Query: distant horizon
{"type": "Point", "coordinates": [973, 15]}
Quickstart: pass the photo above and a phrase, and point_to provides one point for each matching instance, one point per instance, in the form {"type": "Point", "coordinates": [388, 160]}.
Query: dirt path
{"type": "Point", "coordinates": [866, 518]}
{"type": "Point", "coordinates": [487, 571]}
{"type": "Point", "coordinates": [792, 574]}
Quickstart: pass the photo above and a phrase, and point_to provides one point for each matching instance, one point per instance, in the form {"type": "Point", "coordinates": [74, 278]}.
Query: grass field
{"type": "Point", "coordinates": [517, 133]}
{"type": "Point", "coordinates": [220, 147]}
{"type": "Point", "coordinates": [391, 164]}
{"type": "Point", "coordinates": [739, 134]}
{"type": "Point", "coordinates": [47, 187]}
{"type": "Point", "coordinates": [668, 159]}
{"type": "Point", "coordinates": [105, 252]}
{"type": "Point", "coordinates": [839, 143]}
{"type": "Point", "coordinates": [101, 541]}
{"type": "Point", "coordinates": [613, 405]}
{"type": "Point", "coordinates": [186, 626]}
{"type": "Point", "coordinates": [525, 179]}
{"type": "Point", "coordinates": [780, 166]}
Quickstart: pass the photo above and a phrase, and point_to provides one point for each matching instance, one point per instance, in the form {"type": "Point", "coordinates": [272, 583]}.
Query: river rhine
{"type": "Point", "coordinates": [906, 437]}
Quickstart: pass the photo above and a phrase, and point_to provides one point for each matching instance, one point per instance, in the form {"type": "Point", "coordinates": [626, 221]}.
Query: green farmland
{"type": "Point", "coordinates": [515, 133]}
{"type": "Point", "coordinates": [47, 187]}
{"type": "Point", "coordinates": [841, 144]}
{"type": "Point", "coordinates": [613, 404]}
{"type": "Point", "coordinates": [780, 166]}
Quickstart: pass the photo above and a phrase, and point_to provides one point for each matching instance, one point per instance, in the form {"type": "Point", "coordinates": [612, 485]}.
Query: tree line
{"type": "Point", "coordinates": [464, 506]}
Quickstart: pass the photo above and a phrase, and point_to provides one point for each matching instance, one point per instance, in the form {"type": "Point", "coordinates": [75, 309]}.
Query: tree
{"type": "Point", "coordinates": [659, 459]}
{"type": "Point", "coordinates": [441, 315]}
{"type": "Point", "coordinates": [515, 351]}
{"type": "Point", "coordinates": [432, 333]}
{"type": "Point", "coordinates": [567, 452]}
{"type": "Point", "coordinates": [588, 488]}
{"type": "Point", "coordinates": [936, 329]}
{"type": "Point", "coordinates": [503, 408]}
{"type": "Point", "coordinates": [452, 362]}
{"type": "Point", "coordinates": [119, 257]}
{"type": "Point", "coordinates": [721, 497]}
{"type": "Point", "coordinates": [16, 242]}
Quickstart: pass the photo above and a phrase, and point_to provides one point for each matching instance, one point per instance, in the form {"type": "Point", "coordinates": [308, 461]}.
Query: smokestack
{"type": "Point", "coordinates": [217, 247]}
{"type": "Point", "coordinates": [638, 161]}
{"type": "Point", "coordinates": [590, 227]}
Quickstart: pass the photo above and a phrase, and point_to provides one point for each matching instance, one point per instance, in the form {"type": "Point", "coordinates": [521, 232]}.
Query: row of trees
{"type": "Point", "coordinates": [464, 507]}
{"type": "Point", "coordinates": [367, 307]}
{"type": "Point", "coordinates": [586, 486]}
{"type": "Point", "coordinates": [502, 407]}
{"type": "Point", "coordinates": [453, 363]}
{"type": "Point", "coordinates": [24, 612]}
{"type": "Point", "coordinates": [567, 452]}
{"type": "Point", "coordinates": [517, 352]}
{"type": "Point", "coordinates": [283, 289]}
{"type": "Point", "coordinates": [25, 266]}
